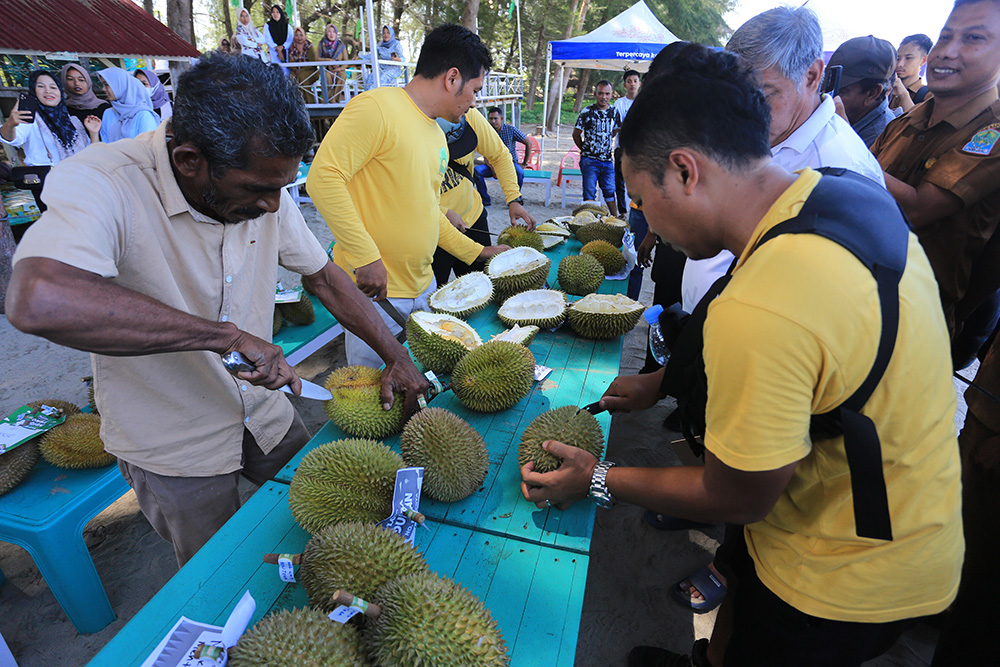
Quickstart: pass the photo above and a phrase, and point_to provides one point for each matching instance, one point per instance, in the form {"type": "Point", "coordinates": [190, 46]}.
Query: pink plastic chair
{"type": "Point", "coordinates": [535, 163]}
{"type": "Point", "coordinates": [573, 157]}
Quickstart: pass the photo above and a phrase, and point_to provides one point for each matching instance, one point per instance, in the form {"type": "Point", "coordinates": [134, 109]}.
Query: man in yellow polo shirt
{"type": "Point", "coordinates": [376, 179]}
{"type": "Point", "coordinates": [817, 574]}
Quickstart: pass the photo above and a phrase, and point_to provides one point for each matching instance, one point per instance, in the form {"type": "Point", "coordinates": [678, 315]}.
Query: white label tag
{"type": "Point", "coordinates": [285, 569]}
{"type": "Point", "coordinates": [343, 614]}
{"type": "Point", "coordinates": [541, 372]}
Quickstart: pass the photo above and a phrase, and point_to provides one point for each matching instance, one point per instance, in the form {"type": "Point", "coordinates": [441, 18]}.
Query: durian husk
{"type": "Point", "coordinates": [299, 313]}
{"type": "Point", "coordinates": [494, 376]}
{"type": "Point", "coordinates": [443, 299]}
{"type": "Point", "coordinates": [438, 340]}
{"type": "Point", "coordinates": [76, 443]}
{"type": "Point", "coordinates": [507, 282]}
{"type": "Point", "coordinates": [613, 233]}
{"type": "Point", "coordinates": [518, 334]}
{"type": "Point", "coordinates": [356, 406]}
{"type": "Point", "coordinates": [590, 206]}
{"type": "Point", "coordinates": [580, 274]}
{"type": "Point", "coordinates": [356, 557]}
{"type": "Point", "coordinates": [16, 464]}
{"type": "Point", "coordinates": [610, 257]}
{"type": "Point", "coordinates": [516, 236]}
{"type": "Point", "coordinates": [451, 452]}
{"type": "Point", "coordinates": [345, 480]}
{"type": "Point", "coordinates": [568, 425]}
{"type": "Point", "coordinates": [604, 315]}
{"type": "Point", "coordinates": [299, 638]}
{"type": "Point", "coordinates": [277, 323]}
{"type": "Point", "coordinates": [545, 309]}
{"type": "Point", "coordinates": [427, 621]}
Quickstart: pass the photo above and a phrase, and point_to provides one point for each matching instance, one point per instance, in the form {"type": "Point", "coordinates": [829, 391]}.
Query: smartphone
{"type": "Point", "coordinates": [28, 103]}
{"type": "Point", "coordinates": [831, 82]}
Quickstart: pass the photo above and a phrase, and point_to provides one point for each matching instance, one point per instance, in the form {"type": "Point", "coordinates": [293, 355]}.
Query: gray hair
{"type": "Point", "coordinates": [785, 38]}
{"type": "Point", "coordinates": [234, 108]}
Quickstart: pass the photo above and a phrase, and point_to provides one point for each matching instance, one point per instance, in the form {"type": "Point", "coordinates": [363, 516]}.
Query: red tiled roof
{"type": "Point", "coordinates": [88, 27]}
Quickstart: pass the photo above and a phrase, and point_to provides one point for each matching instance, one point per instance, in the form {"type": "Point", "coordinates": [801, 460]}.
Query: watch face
{"type": "Point", "coordinates": [601, 501]}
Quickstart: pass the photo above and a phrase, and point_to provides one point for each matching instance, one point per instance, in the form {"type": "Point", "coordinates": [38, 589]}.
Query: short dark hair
{"type": "Point", "coordinates": [628, 73]}
{"type": "Point", "coordinates": [233, 108]}
{"type": "Point", "coordinates": [494, 110]}
{"type": "Point", "coordinates": [921, 41]}
{"type": "Point", "coordinates": [663, 60]}
{"type": "Point", "coordinates": [603, 82]}
{"type": "Point", "coordinates": [867, 84]}
{"type": "Point", "coordinates": [701, 99]}
{"type": "Point", "coordinates": [450, 46]}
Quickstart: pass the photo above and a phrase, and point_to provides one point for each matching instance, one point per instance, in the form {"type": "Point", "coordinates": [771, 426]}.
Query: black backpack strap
{"type": "Point", "coordinates": [460, 148]}
{"type": "Point", "coordinates": [920, 95]}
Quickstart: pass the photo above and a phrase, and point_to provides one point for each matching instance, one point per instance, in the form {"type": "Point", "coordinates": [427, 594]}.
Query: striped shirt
{"type": "Point", "coordinates": [508, 135]}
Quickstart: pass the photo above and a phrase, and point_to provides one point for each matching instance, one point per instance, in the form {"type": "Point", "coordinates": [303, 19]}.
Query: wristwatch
{"type": "Point", "coordinates": [599, 486]}
{"type": "Point", "coordinates": [519, 200]}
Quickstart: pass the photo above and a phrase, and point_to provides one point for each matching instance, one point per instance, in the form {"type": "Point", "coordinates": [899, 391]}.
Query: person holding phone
{"type": "Point", "coordinates": [388, 49]}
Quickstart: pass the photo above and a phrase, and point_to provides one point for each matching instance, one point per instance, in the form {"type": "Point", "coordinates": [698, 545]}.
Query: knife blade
{"type": "Point", "coordinates": [235, 363]}
{"type": "Point", "coordinates": [396, 316]}
{"type": "Point", "coordinates": [593, 408]}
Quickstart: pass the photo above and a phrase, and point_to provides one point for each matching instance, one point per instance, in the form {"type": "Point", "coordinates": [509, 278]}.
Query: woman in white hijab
{"type": "Point", "coordinates": [131, 111]}
{"type": "Point", "coordinates": [249, 40]}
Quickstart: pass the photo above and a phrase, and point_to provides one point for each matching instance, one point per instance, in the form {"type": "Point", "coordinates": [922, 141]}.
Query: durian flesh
{"type": "Point", "coordinates": [517, 270]}
{"type": "Point", "coordinates": [544, 308]}
{"type": "Point", "coordinates": [604, 315]}
{"type": "Point", "coordinates": [438, 340]}
{"type": "Point", "coordinates": [463, 296]}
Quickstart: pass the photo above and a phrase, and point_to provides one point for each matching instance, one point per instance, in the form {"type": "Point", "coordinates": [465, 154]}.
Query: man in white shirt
{"type": "Point", "coordinates": [631, 82]}
{"type": "Point", "coordinates": [785, 47]}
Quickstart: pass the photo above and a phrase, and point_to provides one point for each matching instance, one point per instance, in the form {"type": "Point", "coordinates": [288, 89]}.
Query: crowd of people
{"type": "Point", "coordinates": [832, 255]}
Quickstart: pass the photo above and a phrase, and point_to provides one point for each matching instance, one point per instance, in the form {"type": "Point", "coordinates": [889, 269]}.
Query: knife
{"type": "Point", "coordinates": [396, 316]}
{"type": "Point", "coordinates": [593, 408]}
{"type": "Point", "coordinates": [237, 363]}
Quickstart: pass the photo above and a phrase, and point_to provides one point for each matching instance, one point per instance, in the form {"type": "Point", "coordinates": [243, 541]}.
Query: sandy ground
{"type": "Point", "coordinates": [632, 565]}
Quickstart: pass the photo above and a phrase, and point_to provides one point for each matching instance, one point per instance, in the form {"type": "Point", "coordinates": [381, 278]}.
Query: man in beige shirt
{"type": "Point", "coordinates": [159, 254]}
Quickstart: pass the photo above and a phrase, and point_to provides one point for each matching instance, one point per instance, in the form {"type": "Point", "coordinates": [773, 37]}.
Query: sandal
{"type": "Point", "coordinates": [708, 584]}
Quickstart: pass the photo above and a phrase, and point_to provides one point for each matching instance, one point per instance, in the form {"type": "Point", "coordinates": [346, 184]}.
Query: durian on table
{"type": "Point", "coordinates": [610, 257]}
{"type": "Point", "coordinates": [568, 425]}
{"type": "Point", "coordinates": [76, 443]}
{"type": "Point", "coordinates": [439, 341]}
{"type": "Point", "coordinates": [580, 274]}
{"type": "Point", "coordinates": [463, 296]}
{"type": "Point", "coordinates": [604, 315]}
{"type": "Point", "coordinates": [517, 270]}
{"type": "Point", "coordinates": [356, 406]}
{"type": "Point", "coordinates": [299, 638]}
{"type": "Point", "coordinates": [494, 376]}
{"type": "Point", "coordinates": [451, 452]}
{"type": "Point", "coordinates": [543, 308]}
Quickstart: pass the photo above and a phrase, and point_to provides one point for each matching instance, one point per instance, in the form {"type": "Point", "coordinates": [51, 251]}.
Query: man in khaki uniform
{"type": "Point", "coordinates": [158, 254]}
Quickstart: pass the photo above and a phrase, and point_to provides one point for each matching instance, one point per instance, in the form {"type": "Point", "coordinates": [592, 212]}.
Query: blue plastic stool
{"type": "Point", "coordinates": [46, 515]}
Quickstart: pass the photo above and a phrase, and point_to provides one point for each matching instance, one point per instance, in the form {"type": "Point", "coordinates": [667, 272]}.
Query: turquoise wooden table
{"type": "Point", "coordinates": [534, 592]}
{"type": "Point", "coordinates": [298, 342]}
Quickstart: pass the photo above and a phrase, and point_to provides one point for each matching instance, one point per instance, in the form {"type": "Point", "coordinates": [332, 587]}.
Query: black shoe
{"type": "Point", "coordinates": [652, 656]}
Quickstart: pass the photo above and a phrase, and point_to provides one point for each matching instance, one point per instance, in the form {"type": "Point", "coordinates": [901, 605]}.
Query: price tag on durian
{"type": "Point", "coordinates": [27, 423]}
{"type": "Point", "coordinates": [343, 614]}
{"type": "Point", "coordinates": [286, 569]}
{"type": "Point", "coordinates": [292, 295]}
{"type": "Point", "coordinates": [541, 372]}
{"type": "Point", "coordinates": [405, 503]}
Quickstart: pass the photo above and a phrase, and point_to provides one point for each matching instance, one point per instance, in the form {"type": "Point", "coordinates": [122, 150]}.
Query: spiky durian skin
{"type": "Point", "coordinates": [345, 480]}
{"type": "Point", "coordinates": [299, 638]}
{"type": "Point", "coordinates": [451, 452]}
{"type": "Point", "coordinates": [580, 274]}
{"type": "Point", "coordinates": [431, 622]}
{"type": "Point", "coordinates": [16, 464]}
{"type": "Point", "coordinates": [609, 256]}
{"type": "Point", "coordinates": [66, 407]}
{"type": "Point", "coordinates": [517, 236]}
{"type": "Point", "coordinates": [547, 322]}
{"type": "Point", "coordinates": [76, 443]}
{"type": "Point", "coordinates": [299, 312]}
{"type": "Point", "coordinates": [433, 351]}
{"type": "Point", "coordinates": [596, 208]}
{"type": "Point", "coordinates": [355, 557]}
{"type": "Point", "coordinates": [277, 323]}
{"type": "Point", "coordinates": [567, 425]}
{"type": "Point", "coordinates": [474, 305]}
{"type": "Point", "coordinates": [356, 406]}
{"type": "Point", "coordinates": [494, 376]}
{"type": "Point", "coordinates": [601, 231]}
{"type": "Point", "coordinates": [589, 324]}
{"type": "Point", "coordinates": [505, 287]}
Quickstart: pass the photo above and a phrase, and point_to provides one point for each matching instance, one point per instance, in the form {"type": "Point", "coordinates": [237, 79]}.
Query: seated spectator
{"type": "Point", "coordinates": [869, 67]}
{"type": "Point", "coordinates": [909, 88]}
{"type": "Point", "coordinates": [157, 93]}
{"type": "Point", "coordinates": [277, 36]}
{"type": "Point", "coordinates": [248, 40]}
{"type": "Point", "coordinates": [224, 46]}
{"type": "Point", "coordinates": [508, 135]}
{"type": "Point", "coordinates": [332, 48]}
{"type": "Point", "coordinates": [388, 49]}
{"type": "Point", "coordinates": [79, 94]}
{"type": "Point", "coordinates": [131, 111]}
{"type": "Point", "coordinates": [302, 51]}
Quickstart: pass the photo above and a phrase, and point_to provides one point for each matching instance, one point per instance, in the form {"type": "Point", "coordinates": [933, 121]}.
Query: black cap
{"type": "Point", "coordinates": [865, 58]}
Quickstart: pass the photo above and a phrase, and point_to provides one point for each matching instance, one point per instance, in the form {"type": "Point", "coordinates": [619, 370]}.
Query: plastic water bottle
{"type": "Point", "coordinates": [657, 344]}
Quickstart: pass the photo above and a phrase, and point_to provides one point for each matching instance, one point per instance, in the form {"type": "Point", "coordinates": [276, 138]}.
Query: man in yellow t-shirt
{"type": "Point", "coordinates": [376, 179]}
{"type": "Point", "coordinates": [794, 334]}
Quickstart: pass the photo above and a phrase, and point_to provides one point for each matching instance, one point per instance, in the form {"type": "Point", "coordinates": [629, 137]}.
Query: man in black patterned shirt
{"type": "Point", "coordinates": [595, 129]}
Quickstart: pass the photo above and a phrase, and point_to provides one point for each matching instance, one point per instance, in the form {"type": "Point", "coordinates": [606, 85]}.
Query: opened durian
{"type": "Point", "coordinates": [451, 452]}
{"type": "Point", "coordinates": [552, 234]}
{"type": "Point", "coordinates": [517, 270]}
{"type": "Point", "coordinates": [356, 406]}
{"type": "Point", "coordinates": [516, 236]}
{"type": "Point", "coordinates": [544, 308]}
{"type": "Point", "coordinates": [438, 340]}
{"type": "Point", "coordinates": [299, 638]}
{"type": "Point", "coordinates": [494, 376]}
{"type": "Point", "coordinates": [345, 480]}
{"type": "Point", "coordinates": [299, 312]}
{"type": "Point", "coordinates": [610, 257]}
{"type": "Point", "coordinates": [568, 425]}
{"type": "Point", "coordinates": [607, 229]}
{"type": "Point", "coordinates": [604, 315]}
{"type": "Point", "coordinates": [76, 443]}
{"type": "Point", "coordinates": [592, 207]}
{"type": "Point", "coordinates": [463, 296]}
{"type": "Point", "coordinates": [583, 218]}
{"type": "Point", "coordinates": [518, 334]}
{"type": "Point", "coordinates": [580, 274]}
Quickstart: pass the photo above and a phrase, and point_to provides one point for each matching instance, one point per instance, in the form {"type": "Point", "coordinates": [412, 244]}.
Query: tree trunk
{"type": "Point", "coordinates": [470, 15]}
{"type": "Point", "coordinates": [536, 66]}
{"type": "Point", "coordinates": [510, 52]}
{"type": "Point", "coordinates": [179, 19]}
{"type": "Point", "coordinates": [398, 7]}
{"type": "Point", "coordinates": [227, 18]}
{"type": "Point", "coordinates": [148, 6]}
{"type": "Point", "coordinates": [581, 90]}
{"type": "Point", "coordinates": [561, 76]}
{"type": "Point", "coordinates": [7, 247]}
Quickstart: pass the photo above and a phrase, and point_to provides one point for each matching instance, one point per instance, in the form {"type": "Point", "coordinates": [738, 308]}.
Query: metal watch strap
{"type": "Point", "coordinates": [599, 485]}
{"type": "Point", "coordinates": [519, 200]}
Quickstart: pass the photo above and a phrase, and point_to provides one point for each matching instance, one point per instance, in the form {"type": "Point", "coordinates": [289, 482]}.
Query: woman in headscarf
{"type": "Point", "coordinates": [131, 111]}
{"type": "Point", "coordinates": [248, 39]}
{"type": "Point", "coordinates": [157, 93]}
{"type": "Point", "coordinates": [388, 49]}
{"type": "Point", "coordinates": [331, 48]}
{"type": "Point", "coordinates": [225, 46]}
{"type": "Point", "coordinates": [278, 36]}
{"type": "Point", "coordinates": [50, 134]}
{"type": "Point", "coordinates": [302, 51]}
{"type": "Point", "coordinates": [79, 94]}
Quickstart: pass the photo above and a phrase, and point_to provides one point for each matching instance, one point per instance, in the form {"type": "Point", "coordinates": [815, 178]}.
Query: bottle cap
{"type": "Point", "coordinates": [652, 314]}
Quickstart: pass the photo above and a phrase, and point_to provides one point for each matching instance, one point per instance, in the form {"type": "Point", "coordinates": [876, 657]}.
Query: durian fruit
{"type": "Point", "coordinates": [463, 296]}
{"type": "Point", "coordinates": [91, 402]}
{"type": "Point", "coordinates": [544, 308]}
{"type": "Point", "coordinates": [16, 464]}
{"type": "Point", "coordinates": [358, 557]}
{"type": "Point", "coordinates": [568, 425]}
{"type": "Point", "coordinates": [610, 257]}
{"type": "Point", "coordinates": [583, 218]}
{"type": "Point", "coordinates": [438, 340]}
{"type": "Point", "coordinates": [494, 376]}
{"type": "Point", "coordinates": [299, 312]}
{"type": "Point", "coordinates": [344, 480]}
{"type": "Point", "coordinates": [604, 315]}
{"type": "Point", "coordinates": [517, 270]}
{"type": "Point", "coordinates": [451, 452]}
{"type": "Point", "coordinates": [559, 220]}
{"type": "Point", "coordinates": [66, 407]}
{"type": "Point", "coordinates": [516, 236]}
{"type": "Point", "coordinates": [278, 322]}
{"type": "Point", "coordinates": [580, 274]}
{"type": "Point", "coordinates": [356, 406]}
{"type": "Point", "coordinates": [427, 621]}
{"type": "Point", "coordinates": [608, 229]}
{"type": "Point", "coordinates": [299, 638]}
{"type": "Point", "coordinates": [594, 207]}
{"type": "Point", "coordinates": [552, 234]}
{"type": "Point", "coordinates": [76, 443]}
{"type": "Point", "coordinates": [518, 334]}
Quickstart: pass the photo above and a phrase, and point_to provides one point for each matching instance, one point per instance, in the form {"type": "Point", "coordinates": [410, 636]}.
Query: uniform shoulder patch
{"type": "Point", "coordinates": [984, 140]}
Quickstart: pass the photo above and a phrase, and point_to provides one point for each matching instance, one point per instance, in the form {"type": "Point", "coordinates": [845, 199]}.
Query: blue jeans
{"type": "Point", "coordinates": [484, 171]}
{"type": "Point", "coordinates": [598, 172]}
{"type": "Point", "coordinates": [637, 223]}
